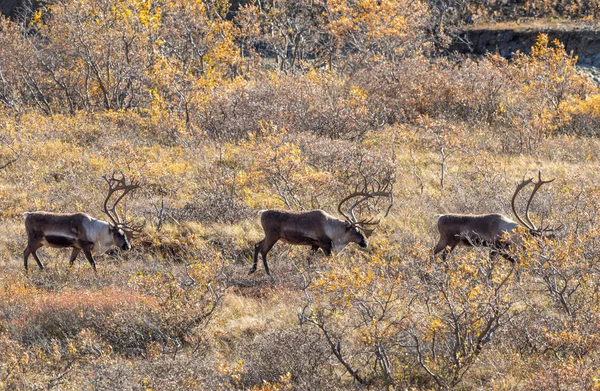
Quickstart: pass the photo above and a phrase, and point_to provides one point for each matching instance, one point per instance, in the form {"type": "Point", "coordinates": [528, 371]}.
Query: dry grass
{"type": "Point", "coordinates": [214, 145]}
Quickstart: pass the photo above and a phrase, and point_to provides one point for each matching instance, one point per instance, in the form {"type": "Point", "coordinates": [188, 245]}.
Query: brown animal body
{"type": "Point", "coordinates": [486, 230]}
{"type": "Point", "coordinates": [75, 230]}
{"type": "Point", "coordinates": [319, 229]}
{"type": "Point", "coordinates": [489, 230]}
{"type": "Point", "coordinates": [316, 228]}
{"type": "Point", "coordinates": [80, 231]}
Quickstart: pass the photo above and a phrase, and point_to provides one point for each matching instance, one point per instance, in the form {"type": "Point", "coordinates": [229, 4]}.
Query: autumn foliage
{"type": "Point", "coordinates": [221, 112]}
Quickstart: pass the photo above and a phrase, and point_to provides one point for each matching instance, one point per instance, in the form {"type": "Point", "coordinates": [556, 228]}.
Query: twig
{"type": "Point", "coordinates": [15, 158]}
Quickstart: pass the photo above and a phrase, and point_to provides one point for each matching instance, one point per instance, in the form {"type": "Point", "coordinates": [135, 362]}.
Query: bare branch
{"type": "Point", "coordinates": [15, 157]}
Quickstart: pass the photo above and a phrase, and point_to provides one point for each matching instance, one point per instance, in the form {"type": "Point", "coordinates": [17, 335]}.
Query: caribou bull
{"type": "Point", "coordinates": [317, 228]}
{"type": "Point", "coordinates": [79, 230]}
{"type": "Point", "coordinates": [489, 230]}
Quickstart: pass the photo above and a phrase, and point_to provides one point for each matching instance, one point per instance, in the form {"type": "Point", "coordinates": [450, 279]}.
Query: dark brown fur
{"type": "Point", "coordinates": [316, 228]}
{"type": "Point", "coordinates": [76, 230]}
{"type": "Point", "coordinates": [489, 230]}
{"type": "Point", "coordinates": [468, 230]}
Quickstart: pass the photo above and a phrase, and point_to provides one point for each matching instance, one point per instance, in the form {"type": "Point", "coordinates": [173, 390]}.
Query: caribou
{"type": "Point", "coordinates": [317, 228]}
{"type": "Point", "coordinates": [489, 230]}
{"type": "Point", "coordinates": [80, 231]}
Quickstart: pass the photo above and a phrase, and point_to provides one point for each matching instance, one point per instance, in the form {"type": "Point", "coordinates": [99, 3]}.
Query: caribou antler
{"type": "Point", "coordinates": [527, 222]}
{"type": "Point", "coordinates": [380, 189]}
{"type": "Point", "coordinates": [537, 186]}
{"type": "Point", "coordinates": [520, 186]}
{"type": "Point", "coordinates": [116, 184]}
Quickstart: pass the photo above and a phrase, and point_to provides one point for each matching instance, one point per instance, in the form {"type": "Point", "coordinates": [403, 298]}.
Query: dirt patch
{"type": "Point", "coordinates": [582, 42]}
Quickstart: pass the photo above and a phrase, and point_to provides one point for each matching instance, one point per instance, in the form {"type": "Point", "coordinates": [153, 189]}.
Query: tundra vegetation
{"type": "Point", "coordinates": [291, 105]}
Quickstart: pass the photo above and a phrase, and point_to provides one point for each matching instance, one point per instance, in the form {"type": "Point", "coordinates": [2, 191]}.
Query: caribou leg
{"type": "Point", "coordinates": [37, 259]}
{"type": "Point", "coordinates": [26, 254]}
{"type": "Point", "coordinates": [257, 248]}
{"type": "Point", "coordinates": [326, 245]}
{"type": "Point", "coordinates": [313, 253]}
{"type": "Point", "coordinates": [74, 254]}
{"type": "Point", "coordinates": [31, 249]}
{"type": "Point", "coordinates": [448, 250]}
{"type": "Point", "coordinates": [267, 246]}
{"type": "Point", "coordinates": [90, 258]}
{"type": "Point", "coordinates": [441, 245]}
{"type": "Point", "coordinates": [264, 246]}
{"type": "Point", "coordinates": [445, 246]}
